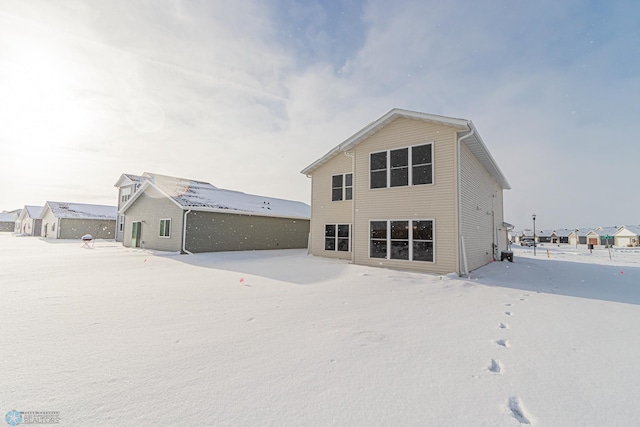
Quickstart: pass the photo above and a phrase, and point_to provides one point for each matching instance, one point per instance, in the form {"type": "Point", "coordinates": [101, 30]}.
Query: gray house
{"type": "Point", "coordinates": [127, 185]}
{"type": "Point", "coordinates": [181, 215]}
{"type": "Point", "coordinates": [62, 220]}
{"type": "Point", "coordinates": [8, 220]}
{"type": "Point", "coordinates": [28, 223]}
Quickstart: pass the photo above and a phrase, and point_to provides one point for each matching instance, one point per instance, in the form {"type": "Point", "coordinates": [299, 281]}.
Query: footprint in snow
{"type": "Point", "coordinates": [503, 343]}
{"type": "Point", "coordinates": [503, 326]}
{"type": "Point", "coordinates": [495, 366]}
{"type": "Point", "coordinates": [508, 313]}
{"type": "Point", "coordinates": [518, 411]}
{"type": "Point", "coordinates": [507, 304]}
{"type": "Point", "coordinates": [251, 319]}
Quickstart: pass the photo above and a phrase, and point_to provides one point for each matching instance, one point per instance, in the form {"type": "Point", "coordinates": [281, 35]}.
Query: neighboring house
{"type": "Point", "coordinates": [627, 236]}
{"type": "Point", "coordinates": [28, 223]}
{"type": "Point", "coordinates": [411, 191]}
{"type": "Point", "coordinates": [545, 236]}
{"type": "Point", "coordinates": [62, 220]}
{"type": "Point", "coordinates": [601, 236]}
{"type": "Point", "coordinates": [578, 236]}
{"type": "Point", "coordinates": [561, 235]}
{"type": "Point", "coordinates": [7, 222]}
{"type": "Point", "coordinates": [127, 185]}
{"type": "Point", "coordinates": [174, 214]}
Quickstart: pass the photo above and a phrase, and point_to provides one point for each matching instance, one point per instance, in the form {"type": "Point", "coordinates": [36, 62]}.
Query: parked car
{"type": "Point", "coordinates": [526, 242]}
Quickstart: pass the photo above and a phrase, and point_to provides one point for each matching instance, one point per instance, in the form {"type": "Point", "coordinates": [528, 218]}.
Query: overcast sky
{"type": "Point", "coordinates": [246, 94]}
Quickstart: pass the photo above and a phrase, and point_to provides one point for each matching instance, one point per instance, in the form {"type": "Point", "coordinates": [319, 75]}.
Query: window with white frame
{"type": "Point", "coordinates": [401, 167]}
{"type": "Point", "coordinates": [410, 240]}
{"type": "Point", "coordinates": [121, 226]}
{"type": "Point", "coordinates": [342, 187]}
{"type": "Point", "coordinates": [337, 237]}
{"type": "Point", "coordinates": [165, 228]}
{"type": "Point", "coordinates": [125, 194]}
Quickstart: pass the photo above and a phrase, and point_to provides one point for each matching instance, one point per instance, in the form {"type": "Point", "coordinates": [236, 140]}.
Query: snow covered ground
{"type": "Point", "coordinates": [118, 336]}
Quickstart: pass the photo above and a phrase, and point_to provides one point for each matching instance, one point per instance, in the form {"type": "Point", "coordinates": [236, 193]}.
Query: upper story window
{"type": "Point", "coordinates": [125, 194]}
{"type": "Point", "coordinates": [401, 167]}
{"type": "Point", "coordinates": [342, 187]}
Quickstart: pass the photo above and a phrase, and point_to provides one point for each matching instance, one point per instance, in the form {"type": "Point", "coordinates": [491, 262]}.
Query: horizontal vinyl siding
{"type": "Point", "coordinates": [435, 201]}
{"type": "Point", "coordinates": [49, 221]}
{"type": "Point", "coordinates": [215, 232]}
{"type": "Point", "coordinates": [481, 206]}
{"type": "Point", "coordinates": [324, 210]}
{"type": "Point", "coordinates": [76, 228]}
{"type": "Point", "coordinates": [150, 207]}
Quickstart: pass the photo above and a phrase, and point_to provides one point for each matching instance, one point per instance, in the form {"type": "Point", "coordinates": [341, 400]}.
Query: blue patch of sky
{"type": "Point", "coordinates": [321, 31]}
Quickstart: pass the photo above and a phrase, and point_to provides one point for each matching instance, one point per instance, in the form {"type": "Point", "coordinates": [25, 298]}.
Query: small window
{"type": "Point", "coordinates": [336, 187]}
{"type": "Point", "coordinates": [121, 226]}
{"type": "Point", "coordinates": [165, 228]}
{"type": "Point", "coordinates": [348, 186]}
{"type": "Point", "coordinates": [53, 227]}
{"type": "Point", "coordinates": [337, 237]}
{"type": "Point", "coordinates": [342, 187]}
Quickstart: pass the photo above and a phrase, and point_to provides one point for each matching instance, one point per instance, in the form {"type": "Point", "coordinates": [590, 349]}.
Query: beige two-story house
{"type": "Point", "coordinates": [411, 191]}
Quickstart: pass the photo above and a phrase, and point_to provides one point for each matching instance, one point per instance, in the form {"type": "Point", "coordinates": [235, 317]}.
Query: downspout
{"type": "Point", "coordinates": [309, 239]}
{"type": "Point", "coordinates": [460, 237]}
{"type": "Point", "coordinates": [353, 204]}
{"type": "Point", "coordinates": [184, 233]}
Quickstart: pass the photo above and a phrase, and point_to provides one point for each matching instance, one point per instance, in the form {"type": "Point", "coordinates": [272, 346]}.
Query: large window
{"type": "Point", "coordinates": [165, 228]}
{"type": "Point", "coordinates": [336, 237]}
{"type": "Point", "coordinates": [342, 187]}
{"type": "Point", "coordinates": [410, 240]}
{"type": "Point", "coordinates": [402, 167]}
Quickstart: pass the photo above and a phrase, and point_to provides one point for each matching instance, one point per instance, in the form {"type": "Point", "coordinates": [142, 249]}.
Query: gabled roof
{"type": "Point", "coordinates": [80, 211]}
{"type": "Point", "coordinates": [31, 212]}
{"type": "Point", "coordinates": [7, 217]}
{"type": "Point", "coordinates": [632, 228]}
{"type": "Point", "coordinates": [473, 140]}
{"type": "Point", "coordinates": [604, 231]}
{"type": "Point", "coordinates": [126, 179]}
{"type": "Point", "coordinates": [563, 232]}
{"type": "Point", "coordinates": [202, 196]}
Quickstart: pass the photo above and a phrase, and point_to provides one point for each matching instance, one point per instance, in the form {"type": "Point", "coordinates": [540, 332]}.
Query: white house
{"type": "Point", "coordinates": [28, 223]}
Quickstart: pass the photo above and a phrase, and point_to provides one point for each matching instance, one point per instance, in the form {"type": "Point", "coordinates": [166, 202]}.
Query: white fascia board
{"type": "Point", "coordinates": [478, 147]}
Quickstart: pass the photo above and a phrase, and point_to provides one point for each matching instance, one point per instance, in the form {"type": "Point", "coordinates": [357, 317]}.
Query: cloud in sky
{"type": "Point", "coordinates": [246, 94]}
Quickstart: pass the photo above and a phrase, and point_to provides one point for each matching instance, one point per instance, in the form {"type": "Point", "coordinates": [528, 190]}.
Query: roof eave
{"type": "Point", "coordinates": [378, 124]}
